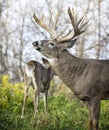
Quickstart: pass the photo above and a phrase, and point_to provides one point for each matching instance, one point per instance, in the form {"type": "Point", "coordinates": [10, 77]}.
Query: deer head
{"type": "Point", "coordinates": [53, 48]}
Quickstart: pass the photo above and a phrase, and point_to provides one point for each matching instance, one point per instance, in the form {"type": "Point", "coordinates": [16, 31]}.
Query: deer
{"type": "Point", "coordinates": [39, 77]}
{"type": "Point", "coordinates": [88, 79]}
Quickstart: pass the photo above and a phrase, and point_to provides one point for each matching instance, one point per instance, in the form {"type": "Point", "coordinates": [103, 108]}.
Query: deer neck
{"type": "Point", "coordinates": [68, 67]}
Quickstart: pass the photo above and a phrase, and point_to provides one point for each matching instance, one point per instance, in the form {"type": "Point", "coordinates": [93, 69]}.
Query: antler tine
{"type": "Point", "coordinates": [62, 31]}
{"type": "Point", "coordinates": [56, 21]}
{"type": "Point", "coordinates": [65, 38]}
{"type": "Point", "coordinates": [84, 26]}
{"type": "Point", "coordinates": [45, 27]}
{"type": "Point", "coordinates": [81, 20]}
{"type": "Point", "coordinates": [50, 19]}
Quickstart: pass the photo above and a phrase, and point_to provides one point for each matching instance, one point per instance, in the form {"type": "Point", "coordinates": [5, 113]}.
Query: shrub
{"type": "Point", "coordinates": [10, 94]}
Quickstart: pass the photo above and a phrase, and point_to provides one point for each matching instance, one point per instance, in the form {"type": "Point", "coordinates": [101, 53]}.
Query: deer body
{"type": "Point", "coordinates": [35, 74]}
{"type": "Point", "coordinates": [87, 78]}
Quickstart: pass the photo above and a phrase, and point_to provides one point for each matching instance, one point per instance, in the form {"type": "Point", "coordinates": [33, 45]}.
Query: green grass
{"type": "Point", "coordinates": [63, 114]}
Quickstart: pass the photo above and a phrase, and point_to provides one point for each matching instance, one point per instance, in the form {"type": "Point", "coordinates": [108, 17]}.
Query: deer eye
{"type": "Point", "coordinates": [51, 45]}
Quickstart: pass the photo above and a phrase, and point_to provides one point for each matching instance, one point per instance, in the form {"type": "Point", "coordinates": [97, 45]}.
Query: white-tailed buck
{"type": "Point", "coordinates": [87, 78]}
{"type": "Point", "coordinates": [38, 76]}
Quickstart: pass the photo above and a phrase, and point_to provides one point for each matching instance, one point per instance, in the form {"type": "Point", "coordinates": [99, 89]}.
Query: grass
{"type": "Point", "coordinates": [63, 114]}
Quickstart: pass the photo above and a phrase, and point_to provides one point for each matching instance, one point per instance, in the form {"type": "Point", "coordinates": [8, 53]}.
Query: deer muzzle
{"type": "Point", "coordinates": [36, 44]}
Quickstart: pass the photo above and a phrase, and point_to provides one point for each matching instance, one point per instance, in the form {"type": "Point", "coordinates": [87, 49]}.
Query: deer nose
{"type": "Point", "coordinates": [35, 43]}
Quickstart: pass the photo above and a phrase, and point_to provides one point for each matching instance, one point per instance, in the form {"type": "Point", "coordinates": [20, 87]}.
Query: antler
{"type": "Point", "coordinates": [78, 27]}
{"type": "Point", "coordinates": [45, 27]}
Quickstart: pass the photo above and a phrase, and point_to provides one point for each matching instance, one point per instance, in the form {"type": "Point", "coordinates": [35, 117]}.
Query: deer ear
{"type": "Point", "coordinates": [46, 63]}
{"type": "Point", "coordinates": [70, 43]}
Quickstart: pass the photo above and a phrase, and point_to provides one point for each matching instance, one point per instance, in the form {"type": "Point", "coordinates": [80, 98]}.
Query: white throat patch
{"type": "Point", "coordinates": [52, 61]}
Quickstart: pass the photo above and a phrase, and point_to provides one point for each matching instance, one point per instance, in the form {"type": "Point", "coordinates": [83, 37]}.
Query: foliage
{"type": "Point", "coordinates": [10, 94]}
{"type": "Point", "coordinates": [63, 113]}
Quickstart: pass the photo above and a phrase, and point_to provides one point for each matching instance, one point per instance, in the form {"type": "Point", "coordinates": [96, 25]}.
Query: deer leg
{"type": "Point", "coordinates": [36, 101]}
{"type": "Point", "coordinates": [36, 95]}
{"type": "Point", "coordinates": [90, 118]}
{"type": "Point", "coordinates": [45, 100]}
{"type": "Point", "coordinates": [24, 100]}
{"type": "Point", "coordinates": [94, 110]}
{"type": "Point", "coordinates": [96, 114]}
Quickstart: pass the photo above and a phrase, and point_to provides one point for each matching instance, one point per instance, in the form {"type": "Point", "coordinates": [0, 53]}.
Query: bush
{"type": "Point", "coordinates": [10, 94]}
